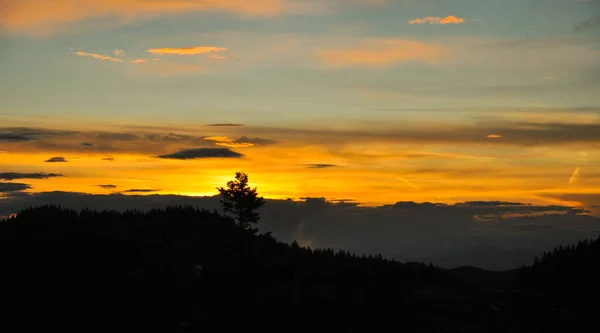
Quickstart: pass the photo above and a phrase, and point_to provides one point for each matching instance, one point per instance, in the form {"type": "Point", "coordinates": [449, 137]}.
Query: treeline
{"type": "Point", "coordinates": [163, 267]}
{"type": "Point", "coordinates": [184, 269]}
{"type": "Point", "coordinates": [571, 273]}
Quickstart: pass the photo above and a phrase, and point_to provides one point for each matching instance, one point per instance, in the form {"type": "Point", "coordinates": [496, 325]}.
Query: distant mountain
{"type": "Point", "coordinates": [486, 257]}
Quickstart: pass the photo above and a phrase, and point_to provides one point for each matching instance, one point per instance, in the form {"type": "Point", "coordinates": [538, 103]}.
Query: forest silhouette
{"type": "Point", "coordinates": [182, 269]}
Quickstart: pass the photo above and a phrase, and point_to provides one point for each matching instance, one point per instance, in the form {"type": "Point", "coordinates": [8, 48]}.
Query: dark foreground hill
{"type": "Point", "coordinates": [183, 269]}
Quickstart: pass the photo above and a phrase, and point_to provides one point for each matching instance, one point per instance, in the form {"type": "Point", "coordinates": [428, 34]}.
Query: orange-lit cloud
{"type": "Point", "coordinates": [43, 17]}
{"type": "Point", "coordinates": [119, 52]}
{"type": "Point", "coordinates": [494, 136]}
{"type": "Point", "coordinates": [225, 141]}
{"type": "Point", "coordinates": [186, 50]}
{"type": "Point", "coordinates": [437, 20]}
{"type": "Point", "coordinates": [97, 56]}
{"type": "Point", "coordinates": [218, 57]}
{"type": "Point", "coordinates": [381, 53]}
{"type": "Point", "coordinates": [218, 139]}
{"type": "Point", "coordinates": [139, 61]}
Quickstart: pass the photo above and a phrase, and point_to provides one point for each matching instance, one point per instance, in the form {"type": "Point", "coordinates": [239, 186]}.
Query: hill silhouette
{"type": "Point", "coordinates": [183, 269]}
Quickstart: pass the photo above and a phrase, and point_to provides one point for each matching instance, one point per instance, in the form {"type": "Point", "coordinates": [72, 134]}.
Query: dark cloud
{"type": "Point", "coordinates": [225, 125]}
{"type": "Point", "coordinates": [108, 159]}
{"type": "Point", "coordinates": [86, 144]}
{"type": "Point", "coordinates": [255, 141]}
{"type": "Point", "coordinates": [135, 190]}
{"type": "Point", "coordinates": [25, 134]}
{"type": "Point", "coordinates": [319, 166]}
{"type": "Point", "coordinates": [117, 136]}
{"type": "Point", "coordinates": [171, 137]}
{"type": "Point", "coordinates": [517, 133]}
{"type": "Point", "coordinates": [58, 159]}
{"type": "Point", "coordinates": [8, 137]}
{"type": "Point", "coordinates": [589, 24]}
{"type": "Point", "coordinates": [107, 186]}
{"type": "Point", "coordinates": [588, 200]}
{"type": "Point", "coordinates": [188, 154]}
{"type": "Point", "coordinates": [492, 203]}
{"type": "Point", "coordinates": [17, 175]}
{"type": "Point", "coordinates": [13, 187]}
{"type": "Point", "coordinates": [447, 235]}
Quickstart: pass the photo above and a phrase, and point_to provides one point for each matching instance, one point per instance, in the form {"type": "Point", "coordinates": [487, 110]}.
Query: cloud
{"type": "Point", "coordinates": [218, 57]}
{"type": "Point", "coordinates": [513, 133]}
{"type": "Point", "coordinates": [97, 56]}
{"type": "Point", "coordinates": [13, 187]}
{"type": "Point", "coordinates": [25, 134]}
{"type": "Point", "coordinates": [117, 136]}
{"type": "Point", "coordinates": [7, 137]}
{"type": "Point", "coordinates": [319, 166]}
{"type": "Point", "coordinates": [110, 159]}
{"type": "Point", "coordinates": [135, 190]}
{"type": "Point", "coordinates": [404, 231]}
{"type": "Point", "coordinates": [153, 141]}
{"type": "Point", "coordinates": [108, 186]}
{"type": "Point", "coordinates": [86, 144]}
{"type": "Point", "coordinates": [381, 53]}
{"type": "Point", "coordinates": [243, 142]}
{"type": "Point", "coordinates": [589, 24]}
{"type": "Point", "coordinates": [188, 154]}
{"type": "Point", "coordinates": [58, 159]}
{"type": "Point", "coordinates": [575, 176]}
{"type": "Point", "coordinates": [186, 50]}
{"type": "Point", "coordinates": [119, 52]}
{"type": "Point", "coordinates": [438, 20]}
{"type": "Point", "coordinates": [34, 17]}
{"type": "Point", "coordinates": [494, 136]}
{"type": "Point", "coordinates": [139, 61]}
{"type": "Point", "coordinates": [585, 199]}
{"type": "Point", "coordinates": [18, 175]}
{"type": "Point", "coordinates": [225, 125]}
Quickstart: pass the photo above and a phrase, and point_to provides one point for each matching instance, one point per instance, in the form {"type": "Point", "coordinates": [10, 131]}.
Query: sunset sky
{"type": "Point", "coordinates": [375, 101]}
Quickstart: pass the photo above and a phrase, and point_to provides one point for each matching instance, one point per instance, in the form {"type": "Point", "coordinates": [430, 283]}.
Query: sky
{"type": "Point", "coordinates": [366, 101]}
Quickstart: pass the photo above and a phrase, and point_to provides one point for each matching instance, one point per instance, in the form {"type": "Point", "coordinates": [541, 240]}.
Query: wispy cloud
{"type": "Point", "coordinates": [189, 154]}
{"type": "Point", "coordinates": [36, 18]}
{"type": "Point", "coordinates": [243, 142]}
{"type": "Point", "coordinates": [136, 190]}
{"type": "Point", "coordinates": [186, 50]}
{"type": "Point", "coordinates": [97, 56]}
{"type": "Point", "coordinates": [407, 182]}
{"type": "Point", "coordinates": [575, 176]}
{"type": "Point", "coordinates": [58, 159]}
{"type": "Point", "coordinates": [494, 136]}
{"type": "Point", "coordinates": [139, 61]}
{"type": "Point", "coordinates": [319, 166]}
{"type": "Point", "coordinates": [17, 175]}
{"type": "Point", "coordinates": [225, 125]}
{"type": "Point", "coordinates": [437, 20]}
{"type": "Point", "coordinates": [592, 23]}
{"type": "Point", "coordinates": [381, 53]}
{"type": "Point", "coordinates": [107, 186]}
{"type": "Point", "coordinates": [218, 57]}
{"type": "Point", "coordinates": [119, 52]}
{"type": "Point", "coordinates": [549, 77]}
{"type": "Point", "coordinates": [13, 187]}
